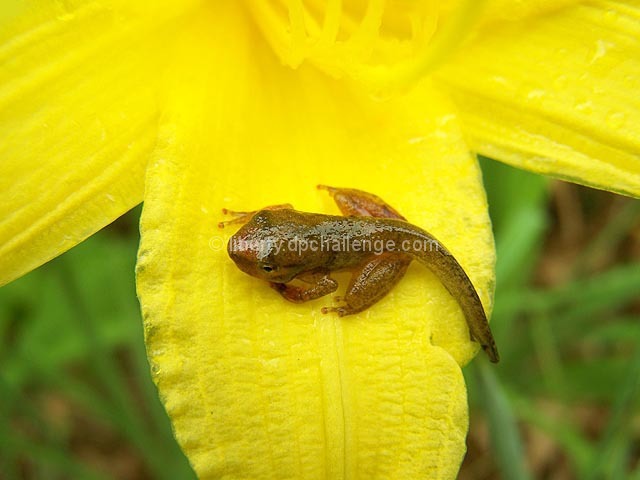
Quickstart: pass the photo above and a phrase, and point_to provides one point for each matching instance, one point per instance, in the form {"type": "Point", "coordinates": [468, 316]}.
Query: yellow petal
{"type": "Point", "coordinates": [557, 94]}
{"type": "Point", "coordinates": [260, 388]}
{"type": "Point", "coordinates": [78, 119]}
{"type": "Point", "coordinates": [497, 11]}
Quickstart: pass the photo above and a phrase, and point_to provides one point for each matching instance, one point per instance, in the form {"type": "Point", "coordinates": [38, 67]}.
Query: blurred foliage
{"type": "Point", "coordinates": [76, 397]}
{"type": "Point", "coordinates": [77, 401]}
{"type": "Point", "coordinates": [564, 401]}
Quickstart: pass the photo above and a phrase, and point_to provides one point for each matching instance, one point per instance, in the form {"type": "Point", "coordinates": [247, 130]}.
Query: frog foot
{"type": "Point", "coordinates": [341, 311]}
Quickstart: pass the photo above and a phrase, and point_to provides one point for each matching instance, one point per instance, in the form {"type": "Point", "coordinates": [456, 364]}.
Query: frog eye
{"type": "Point", "coordinates": [268, 268]}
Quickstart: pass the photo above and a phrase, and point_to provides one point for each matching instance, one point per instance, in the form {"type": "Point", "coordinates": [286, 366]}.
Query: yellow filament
{"type": "Point", "coordinates": [331, 25]}
{"type": "Point", "coordinates": [422, 31]}
{"type": "Point", "coordinates": [275, 28]}
{"type": "Point", "coordinates": [363, 39]}
{"type": "Point", "coordinates": [298, 31]}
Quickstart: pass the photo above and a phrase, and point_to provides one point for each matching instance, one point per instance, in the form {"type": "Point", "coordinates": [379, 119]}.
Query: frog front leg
{"type": "Point", "coordinates": [240, 218]}
{"type": "Point", "coordinates": [318, 285]}
{"type": "Point", "coordinates": [371, 282]}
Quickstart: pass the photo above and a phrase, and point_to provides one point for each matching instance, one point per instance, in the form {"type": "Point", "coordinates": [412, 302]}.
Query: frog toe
{"type": "Point", "coordinates": [341, 311]}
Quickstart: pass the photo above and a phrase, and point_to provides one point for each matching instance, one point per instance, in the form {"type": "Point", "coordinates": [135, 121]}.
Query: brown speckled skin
{"type": "Point", "coordinates": [281, 245]}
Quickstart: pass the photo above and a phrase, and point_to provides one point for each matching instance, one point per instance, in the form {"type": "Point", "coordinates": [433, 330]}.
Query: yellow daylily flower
{"type": "Point", "coordinates": [244, 104]}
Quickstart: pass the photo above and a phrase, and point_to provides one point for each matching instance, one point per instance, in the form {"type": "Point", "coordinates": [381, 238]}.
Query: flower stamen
{"type": "Point", "coordinates": [381, 44]}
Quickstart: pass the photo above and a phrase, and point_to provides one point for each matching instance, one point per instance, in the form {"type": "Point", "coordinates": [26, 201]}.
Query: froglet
{"type": "Point", "coordinates": [296, 252]}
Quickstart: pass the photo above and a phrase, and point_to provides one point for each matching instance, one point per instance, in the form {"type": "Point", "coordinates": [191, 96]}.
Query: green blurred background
{"type": "Point", "coordinates": [77, 401]}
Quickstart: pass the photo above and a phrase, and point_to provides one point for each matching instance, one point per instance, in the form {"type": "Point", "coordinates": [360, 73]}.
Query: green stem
{"type": "Point", "coordinates": [505, 438]}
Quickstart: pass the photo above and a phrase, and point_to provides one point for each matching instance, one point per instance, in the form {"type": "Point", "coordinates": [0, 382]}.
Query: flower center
{"type": "Point", "coordinates": [381, 44]}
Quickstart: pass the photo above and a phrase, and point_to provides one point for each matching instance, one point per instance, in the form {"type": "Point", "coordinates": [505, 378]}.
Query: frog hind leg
{"type": "Point", "coordinates": [317, 284]}
{"type": "Point", "coordinates": [377, 277]}
{"type": "Point", "coordinates": [358, 202]}
{"type": "Point", "coordinates": [240, 218]}
{"type": "Point", "coordinates": [371, 282]}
